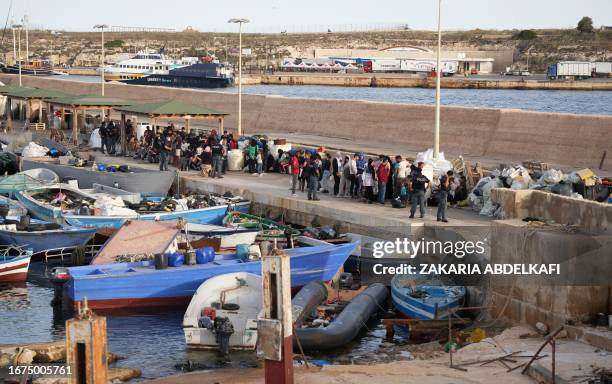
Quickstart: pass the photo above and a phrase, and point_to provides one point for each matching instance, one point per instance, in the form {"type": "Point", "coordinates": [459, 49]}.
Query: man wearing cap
{"type": "Point", "coordinates": [418, 184]}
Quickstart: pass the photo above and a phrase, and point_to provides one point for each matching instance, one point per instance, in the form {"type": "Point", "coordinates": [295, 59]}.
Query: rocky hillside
{"type": "Point", "coordinates": [545, 46]}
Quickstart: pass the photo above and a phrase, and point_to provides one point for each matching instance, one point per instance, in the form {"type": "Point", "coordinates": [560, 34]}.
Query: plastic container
{"type": "Point", "coordinates": [101, 167]}
{"type": "Point", "coordinates": [235, 160]}
{"type": "Point", "coordinates": [190, 257]}
{"type": "Point", "coordinates": [242, 251]}
{"type": "Point", "coordinates": [161, 261]}
{"type": "Point", "coordinates": [176, 259]}
{"type": "Point", "coordinates": [205, 255]}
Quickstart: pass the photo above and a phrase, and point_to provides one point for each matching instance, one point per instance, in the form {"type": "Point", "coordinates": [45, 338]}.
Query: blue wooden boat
{"type": "Point", "coordinates": [46, 211]}
{"type": "Point", "coordinates": [140, 285]}
{"type": "Point", "coordinates": [208, 215]}
{"type": "Point", "coordinates": [425, 302]}
{"type": "Point", "coordinates": [40, 236]}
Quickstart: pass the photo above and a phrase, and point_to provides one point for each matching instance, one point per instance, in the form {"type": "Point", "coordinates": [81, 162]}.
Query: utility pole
{"type": "Point", "coordinates": [239, 22]}
{"type": "Point", "coordinates": [24, 21]}
{"type": "Point", "coordinates": [101, 28]}
{"type": "Point", "coordinates": [438, 75]}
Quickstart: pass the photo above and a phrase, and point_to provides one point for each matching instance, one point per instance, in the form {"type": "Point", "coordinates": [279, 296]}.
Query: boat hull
{"type": "Point", "coordinates": [144, 181]}
{"type": "Point", "coordinates": [427, 309]}
{"type": "Point", "coordinates": [14, 270]}
{"type": "Point", "coordinates": [210, 215]}
{"type": "Point", "coordinates": [181, 81]}
{"type": "Point", "coordinates": [139, 285]}
{"type": "Point", "coordinates": [13, 69]}
{"type": "Point", "coordinates": [40, 241]}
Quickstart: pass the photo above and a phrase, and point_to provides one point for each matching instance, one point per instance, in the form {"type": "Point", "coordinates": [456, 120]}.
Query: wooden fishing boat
{"type": "Point", "coordinates": [42, 236]}
{"type": "Point", "coordinates": [14, 264]}
{"type": "Point", "coordinates": [147, 182]}
{"type": "Point", "coordinates": [425, 300]}
{"type": "Point", "coordinates": [269, 229]}
{"type": "Point", "coordinates": [140, 285]}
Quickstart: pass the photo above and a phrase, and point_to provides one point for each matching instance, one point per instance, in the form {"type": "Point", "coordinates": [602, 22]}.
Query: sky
{"type": "Point", "coordinates": [307, 15]}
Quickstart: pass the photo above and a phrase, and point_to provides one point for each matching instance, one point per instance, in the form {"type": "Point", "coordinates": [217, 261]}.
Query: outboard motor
{"type": "Point", "coordinates": [223, 330]}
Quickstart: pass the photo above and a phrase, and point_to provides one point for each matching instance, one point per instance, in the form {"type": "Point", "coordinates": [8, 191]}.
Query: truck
{"type": "Point", "coordinates": [449, 67]}
{"type": "Point", "coordinates": [602, 69]}
{"type": "Point", "coordinates": [571, 70]}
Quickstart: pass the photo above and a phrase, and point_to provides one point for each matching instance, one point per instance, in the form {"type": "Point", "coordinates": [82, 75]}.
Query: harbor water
{"type": "Point", "coordinates": [154, 342]}
{"type": "Point", "coordinates": [580, 102]}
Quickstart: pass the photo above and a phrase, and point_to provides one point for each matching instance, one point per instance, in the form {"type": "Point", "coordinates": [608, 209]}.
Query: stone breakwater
{"type": "Point", "coordinates": [505, 134]}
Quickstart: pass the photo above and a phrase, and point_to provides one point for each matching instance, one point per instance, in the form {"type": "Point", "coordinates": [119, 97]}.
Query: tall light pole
{"type": "Point", "coordinates": [101, 28]}
{"type": "Point", "coordinates": [24, 21]}
{"type": "Point", "coordinates": [239, 22]}
{"type": "Point", "coordinates": [438, 75]}
{"type": "Point", "coordinates": [18, 28]}
{"type": "Point", "coordinates": [528, 55]}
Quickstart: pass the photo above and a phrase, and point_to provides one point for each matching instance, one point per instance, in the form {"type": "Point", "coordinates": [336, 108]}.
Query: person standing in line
{"type": "Point", "coordinates": [443, 198]}
{"type": "Point", "coordinates": [252, 156]}
{"type": "Point", "coordinates": [384, 171]}
{"type": "Point", "coordinates": [400, 173]}
{"type": "Point", "coordinates": [178, 147]}
{"type": "Point", "coordinates": [166, 151]}
{"type": "Point", "coordinates": [259, 161]}
{"type": "Point", "coordinates": [345, 173]}
{"type": "Point", "coordinates": [114, 136]}
{"type": "Point", "coordinates": [313, 170]}
{"type": "Point", "coordinates": [361, 164]}
{"type": "Point", "coordinates": [337, 171]}
{"type": "Point", "coordinates": [294, 165]}
{"type": "Point", "coordinates": [353, 176]}
{"type": "Point", "coordinates": [369, 178]}
{"type": "Point", "coordinates": [104, 136]}
{"type": "Point", "coordinates": [304, 158]}
{"type": "Point", "coordinates": [418, 185]}
{"type": "Point", "coordinates": [217, 158]}
{"type": "Point", "coordinates": [325, 178]}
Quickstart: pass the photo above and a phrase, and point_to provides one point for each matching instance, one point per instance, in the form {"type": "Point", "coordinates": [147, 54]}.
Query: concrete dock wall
{"type": "Point", "coordinates": [503, 134]}
{"type": "Point", "coordinates": [590, 216]}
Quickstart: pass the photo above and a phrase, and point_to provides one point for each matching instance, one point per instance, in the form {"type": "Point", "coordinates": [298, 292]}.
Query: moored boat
{"type": "Point", "coordinates": [269, 229]}
{"type": "Point", "coordinates": [42, 236]}
{"type": "Point", "coordinates": [144, 181]}
{"type": "Point", "coordinates": [229, 237]}
{"type": "Point", "coordinates": [223, 313]}
{"type": "Point", "coordinates": [208, 215]}
{"type": "Point", "coordinates": [425, 300]}
{"type": "Point", "coordinates": [50, 203]}
{"type": "Point", "coordinates": [14, 264]}
{"type": "Point", "coordinates": [140, 285]}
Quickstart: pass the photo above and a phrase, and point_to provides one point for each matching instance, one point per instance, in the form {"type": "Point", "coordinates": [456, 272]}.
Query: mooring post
{"type": "Point", "coordinates": [275, 330]}
{"type": "Point", "coordinates": [86, 347]}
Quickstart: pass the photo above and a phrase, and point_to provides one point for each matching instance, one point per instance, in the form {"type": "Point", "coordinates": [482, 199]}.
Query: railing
{"type": "Point", "coordinates": [89, 250]}
{"type": "Point", "coordinates": [37, 126]}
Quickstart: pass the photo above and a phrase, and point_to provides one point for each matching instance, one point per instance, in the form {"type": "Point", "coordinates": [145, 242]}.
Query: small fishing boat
{"type": "Point", "coordinates": [229, 237]}
{"type": "Point", "coordinates": [147, 182]}
{"type": "Point", "coordinates": [269, 229]}
{"type": "Point", "coordinates": [223, 313]}
{"type": "Point", "coordinates": [14, 264]}
{"type": "Point", "coordinates": [425, 300]}
{"type": "Point", "coordinates": [139, 284]}
{"type": "Point", "coordinates": [208, 215]}
{"type": "Point", "coordinates": [10, 207]}
{"type": "Point", "coordinates": [50, 203]}
{"type": "Point", "coordinates": [41, 236]}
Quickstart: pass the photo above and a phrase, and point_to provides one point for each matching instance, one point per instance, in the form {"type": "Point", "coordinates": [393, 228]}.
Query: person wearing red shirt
{"type": "Point", "coordinates": [384, 169]}
{"type": "Point", "coordinates": [294, 163]}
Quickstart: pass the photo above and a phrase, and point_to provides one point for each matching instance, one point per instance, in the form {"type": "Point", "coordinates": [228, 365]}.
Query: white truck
{"type": "Point", "coordinates": [449, 67]}
{"type": "Point", "coordinates": [574, 70]}
{"type": "Point", "coordinates": [602, 69]}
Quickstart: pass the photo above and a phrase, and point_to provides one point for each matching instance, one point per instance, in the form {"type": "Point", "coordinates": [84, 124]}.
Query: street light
{"type": "Point", "coordinates": [18, 28]}
{"type": "Point", "coordinates": [101, 28]}
{"type": "Point", "coordinates": [240, 22]}
{"type": "Point", "coordinates": [438, 75]}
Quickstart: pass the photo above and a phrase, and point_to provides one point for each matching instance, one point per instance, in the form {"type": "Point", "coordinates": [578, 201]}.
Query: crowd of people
{"type": "Point", "coordinates": [371, 180]}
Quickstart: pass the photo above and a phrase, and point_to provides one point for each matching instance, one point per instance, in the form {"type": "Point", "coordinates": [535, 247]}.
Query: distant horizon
{"type": "Point", "coordinates": [272, 16]}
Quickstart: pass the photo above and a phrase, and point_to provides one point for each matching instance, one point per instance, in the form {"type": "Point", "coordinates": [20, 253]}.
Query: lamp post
{"type": "Point", "coordinates": [24, 21]}
{"type": "Point", "coordinates": [18, 28]}
{"type": "Point", "coordinates": [239, 22]}
{"type": "Point", "coordinates": [528, 55]}
{"type": "Point", "coordinates": [101, 28]}
{"type": "Point", "coordinates": [438, 75]}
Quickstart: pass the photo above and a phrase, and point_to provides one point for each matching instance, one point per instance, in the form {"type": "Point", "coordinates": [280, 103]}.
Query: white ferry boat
{"type": "Point", "coordinates": [145, 63]}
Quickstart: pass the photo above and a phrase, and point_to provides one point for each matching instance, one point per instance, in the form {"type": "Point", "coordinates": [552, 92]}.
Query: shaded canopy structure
{"type": "Point", "coordinates": [29, 95]}
{"type": "Point", "coordinates": [83, 103]}
{"type": "Point", "coordinates": [19, 182]}
{"type": "Point", "coordinates": [171, 109]}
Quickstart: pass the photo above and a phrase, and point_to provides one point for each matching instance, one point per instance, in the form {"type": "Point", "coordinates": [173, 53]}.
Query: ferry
{"type": "Point", "coordinates": [199, 75]}
{"type": "Point", "coordinates": [144, 63]}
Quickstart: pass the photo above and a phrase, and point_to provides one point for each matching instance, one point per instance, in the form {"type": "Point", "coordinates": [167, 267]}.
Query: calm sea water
{"type": "Point", "coordinates": [581, 102]}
